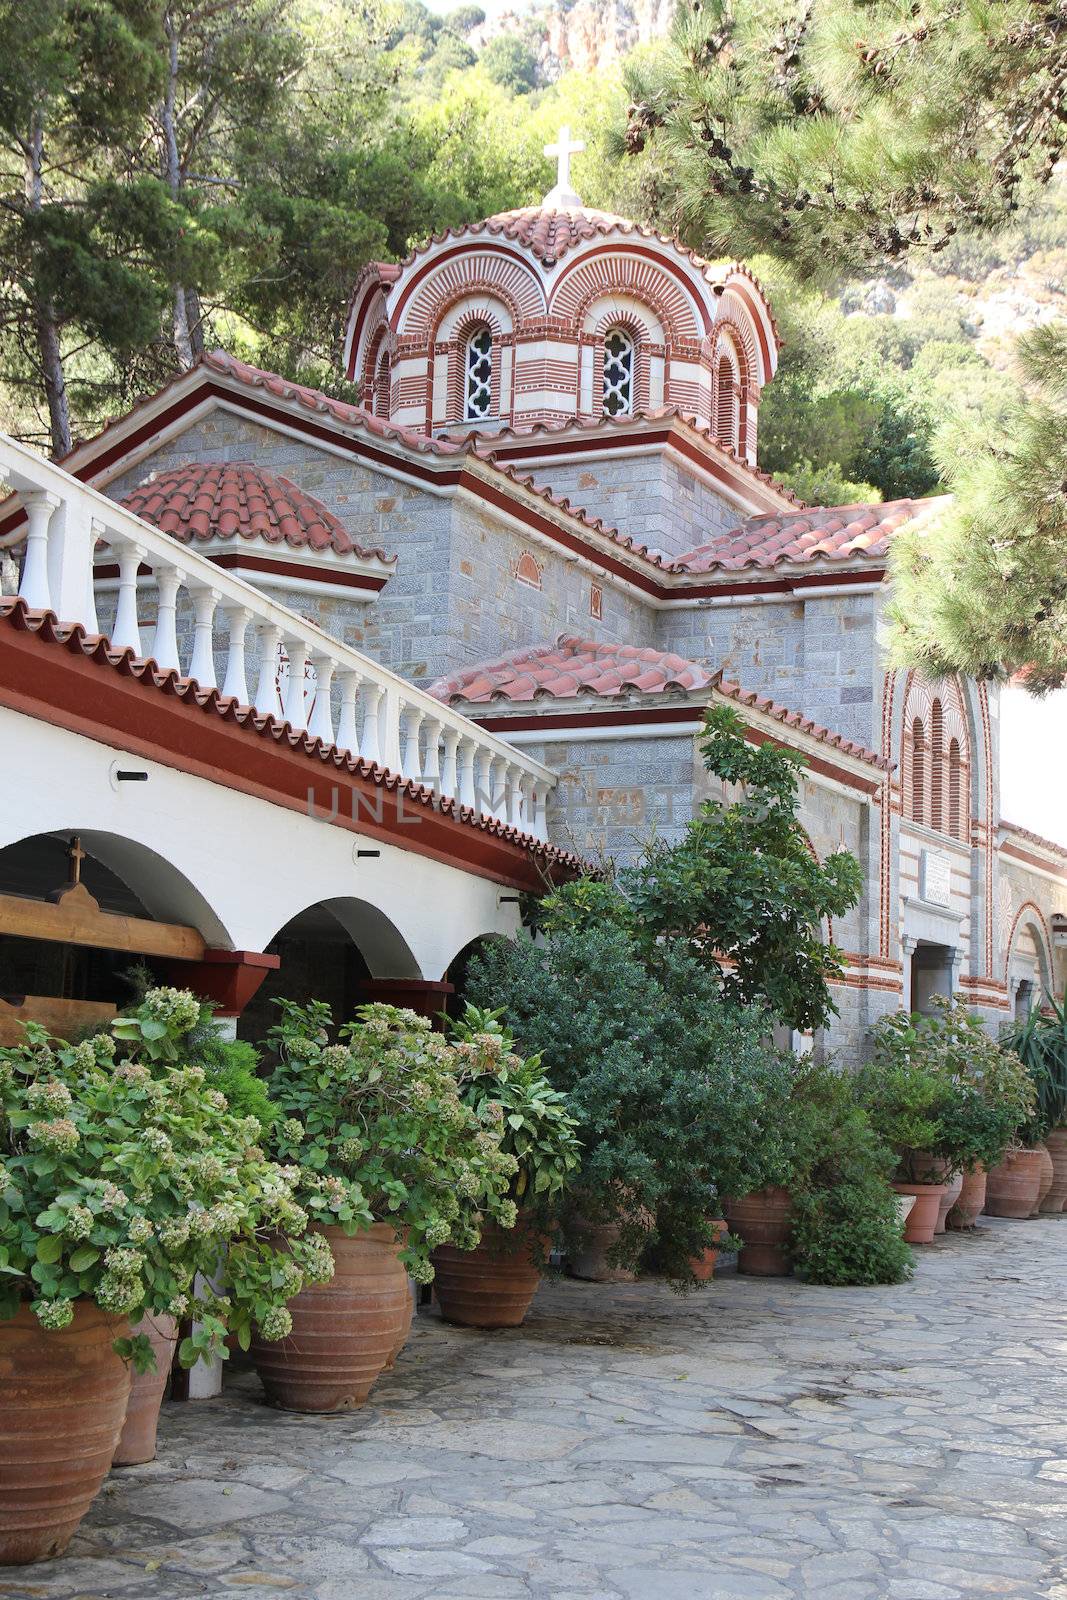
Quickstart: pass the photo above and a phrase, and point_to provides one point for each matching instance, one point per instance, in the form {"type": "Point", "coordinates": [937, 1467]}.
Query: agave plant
{"type": "Point", "coordinates": [1040, 1040]}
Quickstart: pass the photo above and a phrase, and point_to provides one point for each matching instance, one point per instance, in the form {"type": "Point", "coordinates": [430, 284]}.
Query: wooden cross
{"type": "Point", "coordinates": [75, 855]}
{"type": "Point", "coordinates": [562, 151]}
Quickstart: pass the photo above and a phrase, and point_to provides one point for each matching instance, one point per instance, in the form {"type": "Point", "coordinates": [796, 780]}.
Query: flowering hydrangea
{"type": "Point", "coordinates": [60, 1135]}
{"type": "Point", "coordinates": [176, 1008]}
{"type": "Point", "coordinates": [49, 1095]}
{"type": "Point", "coordinates": [79, 1223]}
{"type": "Point", "coordinates": [277, 1323]}
{"type": "Point", "coordinates": [54, 1314]}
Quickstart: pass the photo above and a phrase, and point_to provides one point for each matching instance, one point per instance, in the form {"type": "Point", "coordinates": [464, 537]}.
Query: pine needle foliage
{"type": "Point", "coordinates": [838, 134]}
{"type": "Point", "coordinates": [982, 590]}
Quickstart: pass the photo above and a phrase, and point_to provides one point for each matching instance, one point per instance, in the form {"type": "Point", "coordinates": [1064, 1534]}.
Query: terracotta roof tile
{"type": "Point", "coordinates": [237, 499]}
{"type": "Point", "coordinates": [837, 533]}
{"type": "Point", "coordinates": [570, 667]}
{"type": "Point", "coordinates": [796, 719]}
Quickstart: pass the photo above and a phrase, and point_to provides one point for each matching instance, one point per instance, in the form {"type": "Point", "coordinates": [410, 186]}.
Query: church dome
{"type": "Point", "coordinates": [549, 232]}
{"type": "Point", "coordinates": [225, 500]}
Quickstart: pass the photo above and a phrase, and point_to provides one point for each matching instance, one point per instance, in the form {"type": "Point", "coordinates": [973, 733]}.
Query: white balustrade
{"type": "Point", "coordinates": [351, 701]}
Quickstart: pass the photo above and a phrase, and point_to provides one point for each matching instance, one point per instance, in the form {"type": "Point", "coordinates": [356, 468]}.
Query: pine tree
{"type": "Point", "coordinates": [845, 133]}
{"type": "Point", "coordinates": [982, 590]}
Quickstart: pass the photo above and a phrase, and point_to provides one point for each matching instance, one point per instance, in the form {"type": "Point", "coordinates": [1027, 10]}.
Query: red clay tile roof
{"type": "Point", "coordinates": [840, 533]}
{"type": "Point", "coordinates": [796, 719]}
{"type": "Point", "coordinates": [570, 667]}
{"type": "Point", "coordinates": [236, 499]}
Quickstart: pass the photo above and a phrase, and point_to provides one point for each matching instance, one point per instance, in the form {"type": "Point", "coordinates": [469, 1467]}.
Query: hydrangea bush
{"type": "Point", "coordinates": [126, 1180]}
{"type": "Point", "coordinates": [380, 1113]}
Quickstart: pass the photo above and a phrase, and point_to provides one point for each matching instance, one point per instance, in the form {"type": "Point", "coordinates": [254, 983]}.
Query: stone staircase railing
{"type": "Point", "coordinates": [313, 681]}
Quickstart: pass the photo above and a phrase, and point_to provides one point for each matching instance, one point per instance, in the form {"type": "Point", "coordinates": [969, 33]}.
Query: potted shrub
{"type": "Point", "coordinates": [903, 1097]}
{"type": "Point", "coordinates": [124, 1177]}
{"type": "Point", "coordinates": [1040, 1041]}
{"type": "Point", "coordinates": [492, 1285]}
{"type": "Point", "coordinates": [663, 1077]}
{"type": "Point", "coordinates": [392, 1163]}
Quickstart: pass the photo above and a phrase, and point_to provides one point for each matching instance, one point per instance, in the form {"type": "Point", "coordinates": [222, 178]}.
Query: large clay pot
{"type": "Point", "coordinates": [922, 1218]}
{"type": "Point", "coordinates": [62, 1402]}
{"type": "Point", "coordinates": [492, 1285]}
{"type": "Point", "coordinates": [1013, 1185]}
{"type": "Point", "coordinates": [1056, 1145]}
{"type": "Point", "coordinates": [953, 1189]}
{"type": "Point", "coordinates": [763, 1222]}
{"type": "Point", "coordinates": [588, 1249]}
{"type": "Point", "coordinates": [405, 1328]}
{"type": "Point", "coordinates": [344, 1331]}
{"type": "Point", "coordinates": [1048, 1174]}
{"type": "Point", "coordinates": [704, 1265]}
{"type": "Point", "coordinates": [970, 1202]}
{"type": "Point", "coordinates": [138, 1441]}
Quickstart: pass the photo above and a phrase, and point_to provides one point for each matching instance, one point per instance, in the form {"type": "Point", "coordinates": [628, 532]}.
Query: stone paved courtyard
{"type": "Point", "coordinates": [762, 1441]}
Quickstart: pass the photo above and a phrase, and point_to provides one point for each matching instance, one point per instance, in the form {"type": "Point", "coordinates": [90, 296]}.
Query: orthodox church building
{"type": "Point", "coordinates": [549, 512]}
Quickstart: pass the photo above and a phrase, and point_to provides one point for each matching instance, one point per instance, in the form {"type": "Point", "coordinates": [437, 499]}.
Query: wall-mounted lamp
{"type": "Point", "coordinates": [367, 854]}
{"type": "Point", "coordinates": [131, 777]}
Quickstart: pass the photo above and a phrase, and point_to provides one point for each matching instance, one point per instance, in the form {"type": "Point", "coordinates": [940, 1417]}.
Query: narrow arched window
{"type": "Point", "coordinates": [381, 387]}
{"type": "Point", "coordinates": [478, 393]}
{"type": "Point", "coordinates": [937, 765]}
{"type": "Point", "coordinates": [955, 791]}
{"type": "Point", "coordinates": [618, 374]}
{"type": "Point", "coordinates": [918, 763]}
{"type": "Point", "coordinates": [726, 406]}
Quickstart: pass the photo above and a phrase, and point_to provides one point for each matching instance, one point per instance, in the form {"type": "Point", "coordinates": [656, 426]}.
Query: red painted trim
{"type": "Point", "coordinates": [672, 268]}
{"type": "Point", "coordinates": [295, 569]}
{"type": "Point", "coordinates": [468, 247]}
{"type": "Point", "coordinates": [108, 697]}
{"type": "Point", "coordinates": [1053, 868]}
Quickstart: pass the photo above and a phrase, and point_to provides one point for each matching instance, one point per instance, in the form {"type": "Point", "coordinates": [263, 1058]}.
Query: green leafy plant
{"type": "Point", "coordinates": [123, 1177]}
{"type": "Point", "coordinates": [1040, 1042]}
{"type": "Point", "coordinates": [537, 1127]}
{"type": "Point", "coordinates": [379, 1113]}
{"type": "Point", "coordinates": [676, 1094]}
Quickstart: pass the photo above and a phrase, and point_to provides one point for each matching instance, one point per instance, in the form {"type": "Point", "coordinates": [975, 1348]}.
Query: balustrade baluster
{"type": "Point", "coordinates": [347, 734]}
{"type": "Point", "coordinates": [235, 686]}
{"type": "Point", "coordinates": [40, 509]}
{"type": "Point", "coordinates": [202, 666]}
{"type": "Point", "coordinates": [321, 725]}
{"type": "Point", "coordinates": [370, 743]}
{"type": "Point", "coordinates": [268, 703]}
{"type": "Point", "coordinates": [449, 768]}
{"type": "Point", "coordinates": [126, 633]}
{"type": "Point", "coordinates": [540, 824]}
{"type": "Point", "coordinates": [97, 531]}
{"type": "Point", "coordinates": [165, 638]}
{"type": "Point", "coordinates": [465, 773]}
{"type": "Point", "coordinates": [431, 767]}
{"type": "Point", "coordinates": [296, 689]}
{"type": "Point", "coordinates": [412, 765]}
{"type": "Point", "coordinates": [514, 795]}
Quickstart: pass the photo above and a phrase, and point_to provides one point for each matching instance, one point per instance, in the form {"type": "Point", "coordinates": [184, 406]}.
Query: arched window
{"type": "Point", "coordinates": [918, 762]}
{"type": "Point", "coordinates": [937, 764]}
{"type": "Point", "coordinates": [618, 374]}
{"type": "Point", "coordinates": [955, 791]}
{"type": "Point", "coordinates": [381, 387]}
{"type": "Point", "coordinates": [478, 394]}
{"type": "Point", "coordinates": [726, 406]}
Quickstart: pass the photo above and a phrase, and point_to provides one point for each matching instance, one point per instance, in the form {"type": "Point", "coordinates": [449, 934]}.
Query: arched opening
{"type": "Point", "coordinates": [618, 384]}
{"type": "Point", "coordinates": [937, 753]}
{"type": "Point", "coordinates": [918, 774]}
{"type": "Point", "coordinates": [381, 386]}
{"type": "Point", "coordinates": [955, 791]}
{"type": "Point", "coordinates": [459, 969]}
{"type": "Point", "coordinates": [333, 951]}
{"type": "Point", "coordinates": [726, 405]}
{"type": "Point", "coordinates": [478, 373]}
{"type": "Point", "coordinates": [78, 913]}
{"type": "Point", "coordinates": [932, 973]}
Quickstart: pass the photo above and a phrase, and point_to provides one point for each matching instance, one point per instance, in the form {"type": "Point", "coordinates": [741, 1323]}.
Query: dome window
{"type": "Point", "coordinates": [479, 392]}
{"type": "Point", "coordinates": [618, 374]}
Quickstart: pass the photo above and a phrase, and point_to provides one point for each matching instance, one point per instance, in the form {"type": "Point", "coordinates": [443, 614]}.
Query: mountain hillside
{"type": "Point", "coordinates": [579, 35]}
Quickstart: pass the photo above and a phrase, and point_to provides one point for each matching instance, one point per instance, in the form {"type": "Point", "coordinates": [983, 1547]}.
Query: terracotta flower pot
{"type": "Point", "coordinates": [138, 1441]}
{"type": "Point", "coordinates": [587, 1252]}
{"type": "Point", "coordinates": [492, 1285]}
{"type": "Point", "coordinates": [1048, 1174]}
{"type": "Point", "coordinates": [344, 1331]}
{"type": "Point", "coordinates": [1056, 1145]}
{"type": "Point", "coordinates": [1013, 1185]}
{"type": "Point", "coordinates": [63, 1399]}
{"type": "Point", "coordinates": [953, 1189]}
{"type": "Point", "coordinates": [922, 1219]}
{"type": "Point", "coordinates": [405, 1328]}
{"type": "Point", "coordinates": [970, 1202]}
{"type": "Point", "coordinates": [763, 1221]}
{"type": "Point", "coordinates": [704, 1265]}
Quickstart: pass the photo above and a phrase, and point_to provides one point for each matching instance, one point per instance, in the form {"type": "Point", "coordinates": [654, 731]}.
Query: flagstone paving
{"type": "Point", "coordinates": [761, 1441]}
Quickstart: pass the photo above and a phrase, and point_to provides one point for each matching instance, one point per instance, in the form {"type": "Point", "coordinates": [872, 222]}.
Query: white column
{"type": "Point", "coordinates": [295, 711]}
{"type": "Point", "coordinates": [370, 745]}
{"type": "Point", "coordinates": [165, 638]}
{"type": "Point", "coordinates": [431, 767]}
{"type": "Point", "coordinates": [347, 735]}
{"type": "Point", "coordinates": [321, 725]}
{"type": "Point", "coordinates": [498, 787]}
{"type": "Point", "coordinates": [412, 766]}
{"type": "Point", "coordinates": [126, 635]}
{"type": "Point", "coordinates": [449, 772]}
{"type": "Point", "coordinates": [202, 666]}
{"type": "Point", "coordinates": [389, 726]}
{"type": "Point", "coordinates": [40, 508]}
{"type": "Point", "coordinates": [70, 557]}
{"type": "Point", "coordinates": [540, 821]}
{"type": "Point", "coordinates": [465, 773]}
{"type": "Point", "coordinates": [269, 637]}
{"type": "Point", "coordinates": [513, 796]}
{"type": "Point", "coordinates": [236, 684]}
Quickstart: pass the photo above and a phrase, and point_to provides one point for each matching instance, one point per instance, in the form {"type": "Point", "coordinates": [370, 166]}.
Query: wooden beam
{"type": "Point", "coordinates": [77, 919]}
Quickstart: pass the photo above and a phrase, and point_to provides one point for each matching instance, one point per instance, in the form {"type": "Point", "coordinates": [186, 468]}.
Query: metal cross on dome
{"type": "Point", "coordinates": [562, 150]}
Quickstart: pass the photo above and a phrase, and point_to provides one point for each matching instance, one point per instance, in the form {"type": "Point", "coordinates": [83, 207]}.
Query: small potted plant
{"type": "Point", "coordinates": [124, 1181]}
{"type": "Point", "coordinates": [1040, 1041]}
{"type": "Point", "coordinates": [492, 1285]}
{"type": "Point", "coordinates": [904, 1098]}
{"type": "Point", "coordinates": [392, 1163]}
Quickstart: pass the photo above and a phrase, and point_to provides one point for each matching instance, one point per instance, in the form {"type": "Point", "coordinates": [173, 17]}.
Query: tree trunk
{"type": "Point", "coordinates": [46, 330]}
{"type": "Point", "coordinates": [183, 337]}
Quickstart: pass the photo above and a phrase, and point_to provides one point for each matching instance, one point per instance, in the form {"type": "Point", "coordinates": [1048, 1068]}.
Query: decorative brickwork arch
{"type": "Point", "coordinates": [378, 347]}
{"type": "Point", "coordinates": [465, 274]}
{"type": "Point", "coordinates": [1029, 918]}
{"type": "Point", "coordinates": [642, 324]}
{"type": "Point", "coordinates": [633, 275]}
{"type": "Point", "coordinates": [463, 322]}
